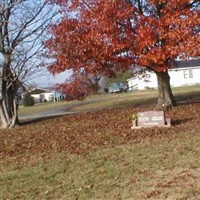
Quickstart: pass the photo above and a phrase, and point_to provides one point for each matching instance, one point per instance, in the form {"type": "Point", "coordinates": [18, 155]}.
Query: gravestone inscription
{"type": "Point", "coordinates": [151, 119]}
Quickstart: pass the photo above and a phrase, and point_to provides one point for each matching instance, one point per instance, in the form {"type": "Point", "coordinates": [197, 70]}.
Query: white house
{"type": "Point", "coordinates": [182, 73]}
{"type": "Point", "coordinates": [43, 95]}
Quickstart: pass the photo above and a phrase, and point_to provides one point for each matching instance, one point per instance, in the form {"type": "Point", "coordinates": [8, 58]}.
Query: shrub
{"type": "Point", "coordinates": [28, 100]}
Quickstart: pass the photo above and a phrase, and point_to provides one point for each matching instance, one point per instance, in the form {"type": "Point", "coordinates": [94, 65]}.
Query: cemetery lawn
{"type": "Point", "coordinates": [95, 155]}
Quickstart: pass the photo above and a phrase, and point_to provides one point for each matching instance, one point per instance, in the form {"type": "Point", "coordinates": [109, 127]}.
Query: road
{"type": "Point", "coordinates": [62, 110]}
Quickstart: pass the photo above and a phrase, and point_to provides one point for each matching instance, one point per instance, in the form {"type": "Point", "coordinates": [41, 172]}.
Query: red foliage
{"type": "Point", "coordinates": [76, 88]}
{"type": "Point", "coordinates": [108, 36]}
{"type": "Point", "coordinates": [94, 41]}
{"type": "Point", "coordinates": [107, 33]}
{"type": "Point", "coordinates": [168, 34]}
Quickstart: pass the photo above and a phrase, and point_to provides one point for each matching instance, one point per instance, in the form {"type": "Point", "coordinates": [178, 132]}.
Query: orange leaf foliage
{"type": "Point", "coordinates": [78, 87]}
{"type": "Point", "coordinates": [94, 41]}
{"type": "Point", "coordinates": [108, 36]}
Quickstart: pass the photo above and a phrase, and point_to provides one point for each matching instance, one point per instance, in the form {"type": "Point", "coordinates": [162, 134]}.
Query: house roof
{"type": "Point", "coordinates": [184, 64]}
{"type": "Point", "coordinates": [177, 64]}
{"type": "Point", "coordinates": [38, 91]}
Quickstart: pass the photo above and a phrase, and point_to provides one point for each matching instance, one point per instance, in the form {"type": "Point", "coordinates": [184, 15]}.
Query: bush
{"type": "Point", "coordinates": [28, 100]}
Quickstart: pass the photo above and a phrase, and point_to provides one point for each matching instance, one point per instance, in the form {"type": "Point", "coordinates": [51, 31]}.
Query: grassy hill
{"type": "Point", "coordinates": [96, 155]}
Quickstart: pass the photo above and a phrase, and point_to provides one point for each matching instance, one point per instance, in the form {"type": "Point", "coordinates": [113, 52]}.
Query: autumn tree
{"type": "Point", "coordinates": [22, 29]}
{"type": "Point", "coordinates": [76, 86]}
{"type": "Point", "coordinates": [77, 44]}
{"type": "Point", "coordinates": [165, 31]}
{"type": "Point", "coordinates": [105, 37]}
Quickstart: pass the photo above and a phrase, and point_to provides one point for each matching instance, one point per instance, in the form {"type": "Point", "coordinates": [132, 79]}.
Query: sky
{"type": "Point", "coordinates": [48, 80]}
{"type": "Point", "coordinates": [45, 79]}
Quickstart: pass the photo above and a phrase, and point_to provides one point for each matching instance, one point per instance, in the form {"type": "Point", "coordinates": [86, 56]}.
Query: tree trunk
{"type": "Point", "coordinates": [8, 97]}
{"type": "Point", "coordinates": [166, 99]}
{"type": "Point", "coordinates": [9, 109]}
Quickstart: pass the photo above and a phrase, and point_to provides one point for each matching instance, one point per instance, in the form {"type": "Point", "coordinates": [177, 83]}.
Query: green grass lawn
{"type": "Point", "coordinates": [96, 155]}
{"type": "Point", "coordinates": [109, 101]}
{"type": "Point", "coordinates": [161, 169]}
{"type": "Point", "coordinates": [40, 107]}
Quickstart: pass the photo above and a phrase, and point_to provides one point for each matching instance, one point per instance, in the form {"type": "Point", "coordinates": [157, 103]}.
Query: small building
{"type": "Point", "coordinates": [183, 73]}
{"type": "Point", "coordinates": [45, 95]}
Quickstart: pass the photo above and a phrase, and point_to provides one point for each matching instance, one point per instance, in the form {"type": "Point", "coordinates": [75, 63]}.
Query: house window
{"type": "Point", "coordinates": [188, 73]}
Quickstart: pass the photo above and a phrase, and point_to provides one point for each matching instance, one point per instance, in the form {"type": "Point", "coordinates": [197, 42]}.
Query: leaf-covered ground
{"type": "Point", "coordinates": [80, 133]}
{"type": "Point", "coordinates": [96, 155]}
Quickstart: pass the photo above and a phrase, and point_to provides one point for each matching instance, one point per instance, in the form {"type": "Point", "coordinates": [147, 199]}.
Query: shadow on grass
{"type": "Point", "coordinates": [180, 121]}
{"type": "Point", "coordinates": [191, 97]}
{"type": "Point", "coordinates": [25, 122]}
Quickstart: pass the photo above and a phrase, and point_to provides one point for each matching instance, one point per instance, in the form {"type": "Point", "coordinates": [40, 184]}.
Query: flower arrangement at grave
{"type": "Point", "coordinates": [134, 119]}
{"type": "Point", "coordinates": [134, 116]}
